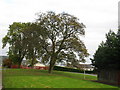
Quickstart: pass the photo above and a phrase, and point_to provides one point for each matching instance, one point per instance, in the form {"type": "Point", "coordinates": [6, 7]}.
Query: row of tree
{"type": "Point", "coordinates": [107, 55]}
{"type": "Point", "coordinates": [52, 38]}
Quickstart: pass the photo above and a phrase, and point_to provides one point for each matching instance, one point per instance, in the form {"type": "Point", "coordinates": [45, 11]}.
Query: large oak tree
{"type": "Point", "coordinates": [62, 38]}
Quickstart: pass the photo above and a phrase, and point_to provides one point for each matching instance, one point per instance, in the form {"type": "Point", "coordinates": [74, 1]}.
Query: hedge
{"type": "Point", "coordinates": [58, 68]}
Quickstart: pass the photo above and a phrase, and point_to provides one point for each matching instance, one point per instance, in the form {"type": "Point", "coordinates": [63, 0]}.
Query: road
{"type": "Point", "coordinates": [90, 74]}
{"type": "Point", "coordinates": [87, 74]}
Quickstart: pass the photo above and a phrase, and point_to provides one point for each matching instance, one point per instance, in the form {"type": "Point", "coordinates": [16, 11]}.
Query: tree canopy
{"type": "Point", "coordinates": [16, 41]}
{"type": "Point", "coordinates": [52, 38]}
{"type": "Point", "coordinates": [108, 53]}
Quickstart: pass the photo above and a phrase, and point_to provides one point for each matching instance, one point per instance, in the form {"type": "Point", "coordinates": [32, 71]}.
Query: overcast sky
{"type": "Point", "coordinates": [99, 16]}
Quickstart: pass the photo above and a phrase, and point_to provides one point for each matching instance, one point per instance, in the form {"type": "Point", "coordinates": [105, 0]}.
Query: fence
{"type": "Point", "coordinates": [109, 76]}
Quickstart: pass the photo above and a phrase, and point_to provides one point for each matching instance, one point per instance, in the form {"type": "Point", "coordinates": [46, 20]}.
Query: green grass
{"type": "Point", "coordinates": [30, 78]}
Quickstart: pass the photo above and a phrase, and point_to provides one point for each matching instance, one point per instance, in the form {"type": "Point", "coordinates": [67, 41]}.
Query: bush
{"type": "Point", "coordinates": [7, 63]}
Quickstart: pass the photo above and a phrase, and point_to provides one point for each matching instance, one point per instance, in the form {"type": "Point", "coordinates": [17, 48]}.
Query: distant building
{"type": "Point", "coordinates": [39, 64]}
{"type": "Point", "coordinates": [87, 67]}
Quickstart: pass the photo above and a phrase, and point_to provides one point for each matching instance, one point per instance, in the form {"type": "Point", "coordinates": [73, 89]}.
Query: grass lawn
{"type": "Point", "coordinates": [31, 78]}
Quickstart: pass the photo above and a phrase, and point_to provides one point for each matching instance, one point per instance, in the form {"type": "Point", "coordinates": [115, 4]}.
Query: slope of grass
{"type": "Point", "coordinates": [30, 78]}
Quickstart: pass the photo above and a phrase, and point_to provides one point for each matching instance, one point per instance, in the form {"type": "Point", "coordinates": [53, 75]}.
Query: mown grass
{"type": "Point", "coordinates": [30, 78]}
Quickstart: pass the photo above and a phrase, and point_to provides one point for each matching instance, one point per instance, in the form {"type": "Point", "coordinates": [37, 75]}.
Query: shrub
{"type": "Point", "coordinates": [7, 63]}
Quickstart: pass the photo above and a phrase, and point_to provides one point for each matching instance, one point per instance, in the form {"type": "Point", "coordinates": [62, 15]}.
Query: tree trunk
{"type": "Point", "coordinates": [52, 63]}
{"type": "Point", "coordinates": [50, 68]}
{"type": "Point", "coordinates": [32, 63]}
{"type": "Point", "coordinates": [19, 63]}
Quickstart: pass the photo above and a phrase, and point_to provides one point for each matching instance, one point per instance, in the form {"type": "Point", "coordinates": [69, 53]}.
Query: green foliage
{"type": "Point", "coordinates": [108, 54]}
{"type": "Point", "coordinates": [31, 36]}
{"type": "Point", "coordinates": [14, 59]}
{"type": "Point", "coordinates": [52, 38]}
{"type": "Point", "coordinates": [62, 38]}
{"type": "Point", "coordinates": [16, 42]}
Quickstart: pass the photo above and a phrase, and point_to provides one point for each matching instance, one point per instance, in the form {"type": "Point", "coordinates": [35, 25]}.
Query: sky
{"type": "Point", "coordinates": [99, 16]}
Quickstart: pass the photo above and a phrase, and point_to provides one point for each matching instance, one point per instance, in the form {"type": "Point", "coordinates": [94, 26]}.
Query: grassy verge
{"type": "Point", "coordinates": [30, 78]}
